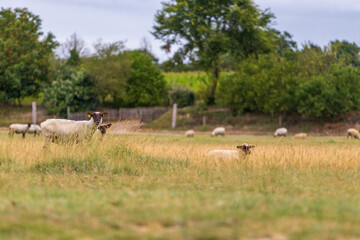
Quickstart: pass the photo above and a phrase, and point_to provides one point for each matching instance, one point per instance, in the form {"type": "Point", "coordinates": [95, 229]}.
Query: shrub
{"type": "Point", "coordinates": [182, 97]}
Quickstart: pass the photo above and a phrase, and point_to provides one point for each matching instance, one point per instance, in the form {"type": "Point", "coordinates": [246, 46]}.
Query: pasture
{"type": "Point", "coordinates": [161, 187]}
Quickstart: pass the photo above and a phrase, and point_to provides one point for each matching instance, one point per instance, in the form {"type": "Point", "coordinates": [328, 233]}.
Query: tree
{"type": "Point", "coordinates": [346, 53]}
{"type": "Point", "coordinates": [24, 57]}
{"type": "Point", "coordinates": [146, 85]}
{"type": "Point", "coordinates": [110, 66]}
{"type": "Point", "coordinates": [206, 30]}
{"type": "Point", "coordinates": [73, 44]}
{"type": "Point", "coordinates": [72, 88]}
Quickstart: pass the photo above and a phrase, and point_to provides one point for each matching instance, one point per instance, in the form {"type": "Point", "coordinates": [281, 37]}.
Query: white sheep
{"type": "Point", "coordinates": [221, 154]}
{"type": "Point", "coordinates": [300, 136]}
{"type": "Point", "coordinates": [353, 133]}
{"type": "Point", "coordinates": [101, 129]}
{"type": "Point", "coordinates": [219, 131]}
{"type": "Point", "coordinates": [67, 130]}
{"type": "Point", "coordinates": [35, 129]}
{"type": "Point", "coordinates": [190, 133]}
{"type": "Point", "coordinates": [280, 132]}
{"type": "Point", "coordinates": [18, 128]}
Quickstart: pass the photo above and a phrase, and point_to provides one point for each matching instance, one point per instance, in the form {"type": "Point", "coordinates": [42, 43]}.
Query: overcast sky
{"type": "Point", "coordinates": [319, 21]}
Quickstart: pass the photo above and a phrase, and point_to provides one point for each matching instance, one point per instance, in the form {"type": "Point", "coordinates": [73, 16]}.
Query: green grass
{"type": "Point", "coordinates": [162, 187]}
{"type": "Point", "coordinates": [191, 80]}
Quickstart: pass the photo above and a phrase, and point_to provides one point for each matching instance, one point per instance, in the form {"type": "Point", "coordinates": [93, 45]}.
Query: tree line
{"type": "Point", "coordinates": [251, 65]}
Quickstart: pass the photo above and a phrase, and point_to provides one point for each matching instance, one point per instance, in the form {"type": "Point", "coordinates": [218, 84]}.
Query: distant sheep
{"type": "Point", "coordinates": [353, 133]}
{"type": "Point", "coordinates": [101, 129]}
{"type": "Point", "coordinates": [221, 154]}
{"type": "Point", "coordinates": [35, 129]}
{"type": "Point", "coordinates": [18, 128]}
{"type": "Point", "coordinates": [190, 133]}
{"type": "Point", "coordinates": [66, 130]}
{"type": "Point", "coordinates": [300, 136]}
{"type": "Point", "coordinates": [280, 132]}
{"type": "Point", "coordinates": [219, 131]}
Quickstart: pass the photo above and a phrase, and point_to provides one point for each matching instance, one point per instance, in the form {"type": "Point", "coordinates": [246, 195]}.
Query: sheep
{"type": "Point", "coordinates": [101, 129]}
{"type": "Point", "coordinates": [219, 131]}
{"type": "Point", "coordinates": [65, 130]}
{"type": "Point", "coordinates": [280, 132]}
{"type": "Point", "coordinates": [190, 133]}
{"type": "Point", "coordinates": [35, 129]}
{"type": "Point", "coordinates": [353, 133]}
{"type": "Point", "coordinates": [221, 154]}
{"type": "Point", "coordinates": [300, 136]}
{"type": "Point", "coordinates": [18, 128]}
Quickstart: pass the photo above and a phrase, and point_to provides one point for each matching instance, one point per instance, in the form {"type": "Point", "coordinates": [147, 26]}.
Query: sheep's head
{"type": "Point", "coordinates": [103, 128]}
{"type": "Point", "coordinates": [29, 125]}
{"type": "Point", "coordinates": [97, 116]}
{"type": "Point", "coordinates": [245, 148]}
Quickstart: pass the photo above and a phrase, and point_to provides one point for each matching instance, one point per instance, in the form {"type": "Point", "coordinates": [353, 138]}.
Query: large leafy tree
{"type": "Point", "coordinates": [110, 66]}
{"type": "Point", "coordinates": [73, 88]}
{"type": "Point", "coordinates": [146, 85]}
{"type": "Point", "coordinates": [24, 54]}
{"type": "Point", "coordinates": [205, 30]}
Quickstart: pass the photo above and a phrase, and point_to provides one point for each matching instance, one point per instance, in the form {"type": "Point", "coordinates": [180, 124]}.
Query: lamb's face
{"type": "Point", "coordinates": [97, 116]}
{"type": "Point", "coordinates": [245, 148]}
{"type": "Point", "coordinates": [103, 128]}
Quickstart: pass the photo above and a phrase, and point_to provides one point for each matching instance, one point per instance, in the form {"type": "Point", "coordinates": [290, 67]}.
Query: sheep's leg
{"type": "Point", "coordinates": [23, 135]}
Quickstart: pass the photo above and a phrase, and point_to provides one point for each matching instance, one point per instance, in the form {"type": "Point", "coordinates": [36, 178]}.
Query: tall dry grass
{"type": "Point", "coordinates": [19, 154]}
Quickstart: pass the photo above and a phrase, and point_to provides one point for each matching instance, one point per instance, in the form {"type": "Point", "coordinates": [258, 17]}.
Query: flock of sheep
{"type": "Point", "coordinates": [63, 130]}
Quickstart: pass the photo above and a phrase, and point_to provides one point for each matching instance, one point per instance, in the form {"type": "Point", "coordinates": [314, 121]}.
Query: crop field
{"type": "Point", "coordinates": [143, 186]}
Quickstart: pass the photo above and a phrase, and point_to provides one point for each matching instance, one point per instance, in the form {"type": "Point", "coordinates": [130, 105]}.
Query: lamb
{"type": "Point", "coordinates": [300, 136]}
{"type": "Point", "coordinates": [221, 154]}
{"type": "Point", "coordinates": [101, 129]}
{"type": "Point", "coordinates": [219, 131]}
{"type": "Point", "coordinates": [190, 133]}
{"type": "Point", "coordinates": [35, 129]}
{"type": "Point", "coordinates": [280, 132]}
{"type": "Point", "coordinates": [353, 133]}
{"type": "Point", "coordinates": [18, 128]}
{"type": "Point", "coordinates": [66, 130]}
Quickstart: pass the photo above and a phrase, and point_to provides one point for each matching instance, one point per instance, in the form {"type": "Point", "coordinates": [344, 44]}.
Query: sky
{"type": "Point", "coordinates": [318, 21]}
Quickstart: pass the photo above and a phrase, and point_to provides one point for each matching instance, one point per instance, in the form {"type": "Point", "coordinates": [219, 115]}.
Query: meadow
{"type": "Point", "coordinates": [146, 186]}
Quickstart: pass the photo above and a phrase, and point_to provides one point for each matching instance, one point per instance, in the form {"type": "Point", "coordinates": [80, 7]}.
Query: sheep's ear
{"type": "Point", "coordinates": [239, 147]}
{"type": "Point", "coordinates": [104, 114]}
{"type": "Point", "coordinates": [108, 126]}
{"type": "Point", "coordinates": [252, 146]}
{"type": "Point", "coordinates": [88, 114]}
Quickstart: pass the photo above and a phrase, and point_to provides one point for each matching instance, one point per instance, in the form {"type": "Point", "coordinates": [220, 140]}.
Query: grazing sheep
{"type": "Point", "coordinates": [300, 136]}
{"type": "Point", "coordinates": [189, 133]}
{"type": "Point", "coordinates": [101, 129]}
{"type": "Point", "coordinates": [66, 130]}
{"type": "Point", "coordinates": [219, 131]}
{"type": "Point", "coordinates": [221, 154]}
{"type": "Point", "coordinates": [280, 132]}
{"type": "Point", "coordinates": [18, 128]}
{"type": "Point", "coordinates": [353, 133]}
{"type": "Point", "coordinates": [35, 129]}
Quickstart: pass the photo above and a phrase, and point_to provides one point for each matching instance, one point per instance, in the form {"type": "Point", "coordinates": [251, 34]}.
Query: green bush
{"type": "Point", "coordinates": [182, 97]}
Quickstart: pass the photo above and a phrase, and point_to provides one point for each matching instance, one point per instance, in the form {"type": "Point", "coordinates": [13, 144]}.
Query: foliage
{"type": "Point", "coordinates": [182, 97]}
{"type": "Point", "coordinates": [146, 85]}
{"type": "Point", "coordinates": [110, 66]}
{"type": "Point", "coordinates": [206, 30]}
{"type": "Point", "coordinates": [73, 88]}
{"type": "Point", "coordinates": [24, 55]}
{"type": "Point", "coordinates": [311, 83]}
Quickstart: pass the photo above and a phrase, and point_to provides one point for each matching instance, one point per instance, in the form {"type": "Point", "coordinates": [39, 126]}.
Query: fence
{"type": "Point", "coordinates": [143, 114]}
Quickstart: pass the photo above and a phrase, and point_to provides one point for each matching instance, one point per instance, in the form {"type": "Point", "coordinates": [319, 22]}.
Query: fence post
{"type": "Point", "coordinates": [68, 112]}
{"type": "Point", "coordinates": [174, 116]}
{"type": "Point", "coordinates": [34, 112]}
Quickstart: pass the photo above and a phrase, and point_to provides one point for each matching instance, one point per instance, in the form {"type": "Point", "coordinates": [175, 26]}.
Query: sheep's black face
{"type": "Point", "coordinates": [245, 148]}
{"type": "Point", "coordinates": [103, 128]}
{"type": "Point", "coordinates": [97, 116]}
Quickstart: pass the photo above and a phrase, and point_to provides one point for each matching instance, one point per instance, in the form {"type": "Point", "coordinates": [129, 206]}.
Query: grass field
{"type": "Point", "coordinates": [162, 187]}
